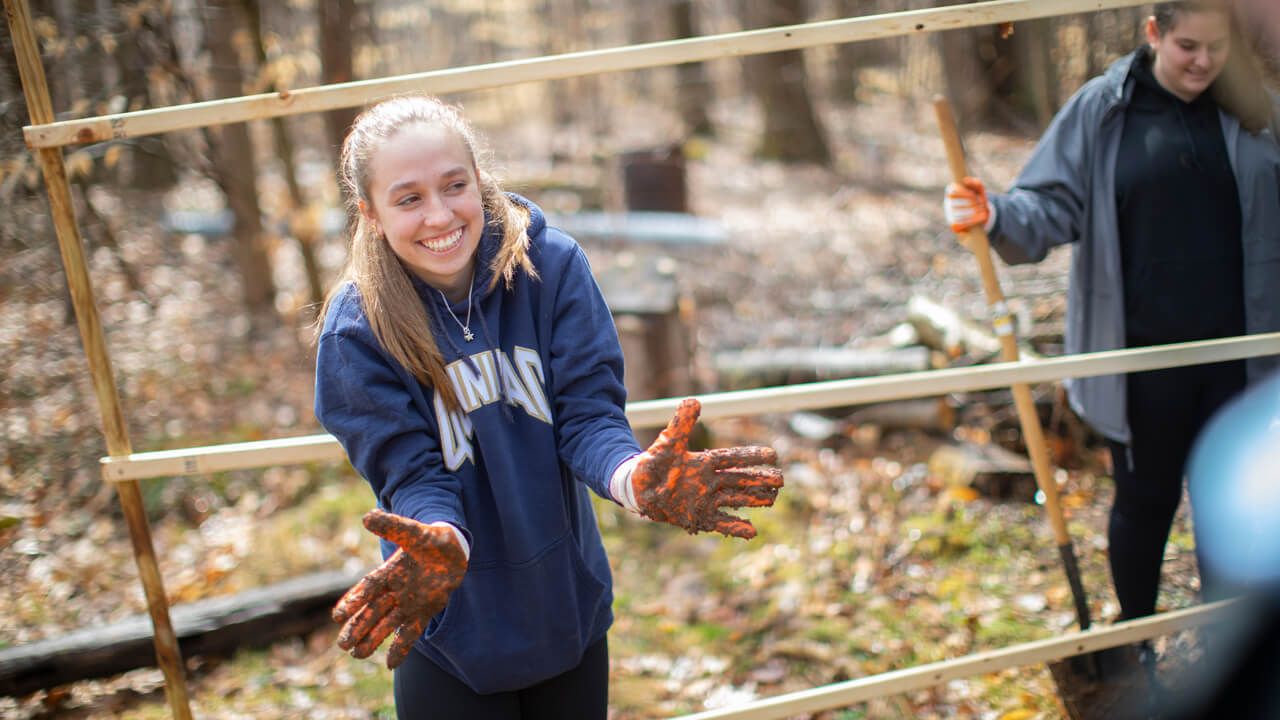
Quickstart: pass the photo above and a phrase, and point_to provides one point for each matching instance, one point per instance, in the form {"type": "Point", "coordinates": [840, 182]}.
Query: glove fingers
{"type": "Point", "coordinates": [357, 629]}
{"type": "Point", "coordinates": [731, 526]}
{"type": "Point", "coordinates": [959, 207]}
{"type": "Point", "coordinates": [740, 478]}
{"type": "Point", "coordinates": [398, 529]}
{"type": "Point", "coordinates": [355, 598]}
{"type": "Point", "coordinates": [375, 636]}
{"type": "Point", "coordinates": [739, 499]}
{"type": "Point", "coordinates": [406, 635]}
{"type": "Point", "coordinates": [675, 436]}
{"type": "Point", "coordinates": [724, 458]}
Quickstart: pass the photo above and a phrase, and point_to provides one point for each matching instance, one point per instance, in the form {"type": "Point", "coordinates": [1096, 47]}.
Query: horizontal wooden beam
{"type": "Point", "coordinates": [860, 391]}
{"type": "Point", "coordinates": [939, 673]}
{"type": "Point", "coordinates": [810, 396]}
{"type": "Point", "coordinates": [552, 67]}
{"type": "Point", "coordinates": [221, 458]}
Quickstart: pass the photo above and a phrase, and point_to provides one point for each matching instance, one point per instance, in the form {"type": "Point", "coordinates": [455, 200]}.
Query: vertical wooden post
{"type": "Point", "coordinates": [36, 90]}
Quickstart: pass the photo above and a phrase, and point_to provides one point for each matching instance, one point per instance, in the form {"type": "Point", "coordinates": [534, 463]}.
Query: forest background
{"type": "Point", "coordinates": [211, 249]}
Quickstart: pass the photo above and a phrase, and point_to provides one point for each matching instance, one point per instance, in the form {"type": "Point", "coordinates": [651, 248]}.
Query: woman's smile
{"type": "Point", "coordinates": [443, 243]}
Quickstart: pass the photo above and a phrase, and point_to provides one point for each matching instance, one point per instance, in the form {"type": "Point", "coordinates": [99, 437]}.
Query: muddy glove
{"type": "Point", "coordinates": [672, 485]}
{"type": "Point", "coordinates": [404, 592]}
{"type": "Point", "coordinates": [966, 206]}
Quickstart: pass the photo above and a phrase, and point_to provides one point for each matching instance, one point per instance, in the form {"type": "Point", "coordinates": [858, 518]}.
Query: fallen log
{"type": "Point", "coordinates": [738, 370]}
{"type": "Point", "coordinates": [937, 414]}
{"type": "Point", "coordinates": [254, 618]}
{"type": "Point", "coordinates": [942, 328]}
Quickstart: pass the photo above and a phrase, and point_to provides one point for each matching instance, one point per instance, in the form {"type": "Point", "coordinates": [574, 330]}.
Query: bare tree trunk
{"type": "Point", "coordinates": [305, 232]}
{"type": "Point", "coordinates": [64, 72]}
{"type": "Point", "coordinates": [336, 18]}
{"type": "Point", "coordinates": [1035, 79]}
{"type": "Point", "coordinates": [12, 101]}
{"type": "Point", "coordinates": [856, 55]}
{"type": "Point", "coordinates": [694, 88]}
{"type": "Point", "coordinates": [234, 166]}
{"type": "Point", "coordinates": [791, 132]}
{"type": "Point", "coordinates": [148, 164]}
{"type": "Point", "coordinates": [1112, 34]}
{"type": "Point", "coordinates": [968, 84]}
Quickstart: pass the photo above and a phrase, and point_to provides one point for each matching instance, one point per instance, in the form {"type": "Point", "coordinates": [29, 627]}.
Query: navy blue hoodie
{"type": "Point", "coordinates": [543, 419]}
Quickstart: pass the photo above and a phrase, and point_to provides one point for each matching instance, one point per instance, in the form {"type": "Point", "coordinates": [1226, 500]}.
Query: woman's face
{"type": "Point", "coordinates": [1190, 55]}
{"type": "Point", "coordinates": [424, 196]}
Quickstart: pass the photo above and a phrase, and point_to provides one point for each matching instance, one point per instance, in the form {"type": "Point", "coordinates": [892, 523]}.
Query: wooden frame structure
{"type": "Point", "coordinates": [46, 137]}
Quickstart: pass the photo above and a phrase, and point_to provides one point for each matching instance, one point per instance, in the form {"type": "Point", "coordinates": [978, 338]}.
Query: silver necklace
{"type": "Point", "coordinates": [467, 335]}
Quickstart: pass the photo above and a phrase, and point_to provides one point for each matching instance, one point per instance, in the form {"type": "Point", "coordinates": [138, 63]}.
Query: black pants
{"type": "Point", "coordinates": [423, 691]}
{"type": "Point", "coordinates": [1167, 409]}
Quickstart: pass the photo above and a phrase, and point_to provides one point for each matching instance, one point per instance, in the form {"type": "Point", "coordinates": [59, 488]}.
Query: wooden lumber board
{"type": "Point", "coordinates": [938, 673]}
{"type": "Point", "coordinates": [810, 396]}
{"type": "Point", "coordinates": [552, 67]}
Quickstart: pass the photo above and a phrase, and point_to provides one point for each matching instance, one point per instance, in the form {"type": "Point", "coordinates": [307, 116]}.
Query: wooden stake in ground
{"type": "Point", "coordinates": [36, 91]}
{"type": "Point", "coordinates": [976, 240]}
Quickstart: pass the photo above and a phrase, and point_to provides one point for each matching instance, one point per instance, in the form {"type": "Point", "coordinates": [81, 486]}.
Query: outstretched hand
{"type": "Point", "coordinates": [404, 592]}
{"type": "Point", "coordinates": [688, 489]}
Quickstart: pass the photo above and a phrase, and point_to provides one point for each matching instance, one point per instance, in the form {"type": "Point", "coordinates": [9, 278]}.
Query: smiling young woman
{"type": "Point", "coordinates": [469, 366]}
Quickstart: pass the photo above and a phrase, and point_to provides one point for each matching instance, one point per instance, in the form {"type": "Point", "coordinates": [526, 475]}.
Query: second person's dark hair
{"type": "Point", "coordinates": [1239, 89]}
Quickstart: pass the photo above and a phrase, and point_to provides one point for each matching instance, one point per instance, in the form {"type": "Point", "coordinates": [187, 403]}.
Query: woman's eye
{"type": "Point", "coordinates": [406, 200]}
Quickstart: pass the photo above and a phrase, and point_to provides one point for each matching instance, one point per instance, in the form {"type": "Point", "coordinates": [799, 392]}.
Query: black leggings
{"type": "Point", "coordinates": [1167, 409]}
{"type": "Point", "coordinates": [424, 690]}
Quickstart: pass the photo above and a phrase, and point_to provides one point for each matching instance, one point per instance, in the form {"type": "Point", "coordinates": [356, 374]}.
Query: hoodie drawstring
{"type": "Point", "coordinates": [502, 386]}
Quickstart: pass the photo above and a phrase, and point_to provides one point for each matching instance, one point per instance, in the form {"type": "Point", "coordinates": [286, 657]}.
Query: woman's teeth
{"type": "Point", "coordinates": [444, 242]}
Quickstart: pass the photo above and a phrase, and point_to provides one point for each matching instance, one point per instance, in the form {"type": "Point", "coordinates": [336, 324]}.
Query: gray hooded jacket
{"type": "Point", "coordinates": [1067, 194]}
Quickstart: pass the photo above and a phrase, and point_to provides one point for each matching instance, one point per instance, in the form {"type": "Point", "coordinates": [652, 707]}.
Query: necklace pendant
{"type": "Point", "coordinates": [468, 335]}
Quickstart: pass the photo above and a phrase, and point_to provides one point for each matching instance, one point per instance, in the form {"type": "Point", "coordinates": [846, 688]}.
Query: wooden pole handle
{"type": "Point", "coordinates": [976, 240]}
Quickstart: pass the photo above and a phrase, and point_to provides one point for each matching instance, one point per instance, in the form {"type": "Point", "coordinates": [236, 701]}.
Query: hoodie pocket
{"type": "Point", "coordinates": [509, 627]}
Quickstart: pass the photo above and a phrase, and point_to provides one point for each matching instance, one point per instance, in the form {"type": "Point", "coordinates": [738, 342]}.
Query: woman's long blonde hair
{"type": "Point", "coordinates": [396, 314]}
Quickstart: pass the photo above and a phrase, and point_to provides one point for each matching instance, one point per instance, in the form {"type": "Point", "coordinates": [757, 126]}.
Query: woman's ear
{"type": "Point", "coordinates": [1153, 32]}
{"type": "Point", "coordinates": [366, 212]}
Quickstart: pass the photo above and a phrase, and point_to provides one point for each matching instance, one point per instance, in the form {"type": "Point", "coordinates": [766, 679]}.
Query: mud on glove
{"type": "Point", "coordinates": [688, 489]}
{"type": "Point", "coordinates": [404, 592]}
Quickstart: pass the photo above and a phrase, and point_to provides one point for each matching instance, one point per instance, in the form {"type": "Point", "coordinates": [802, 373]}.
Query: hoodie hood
{"type": "Point", "coordinates": [491, 242]}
